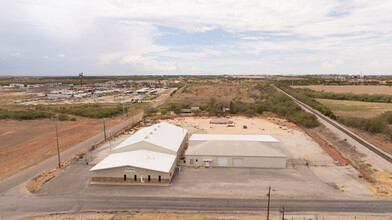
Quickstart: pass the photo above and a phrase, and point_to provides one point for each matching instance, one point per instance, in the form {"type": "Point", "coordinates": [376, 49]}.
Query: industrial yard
{"type": "Point", "coordinates": [323, 180]}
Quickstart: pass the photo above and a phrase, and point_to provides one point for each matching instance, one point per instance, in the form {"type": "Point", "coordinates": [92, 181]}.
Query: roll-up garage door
{"type": "Point", "coordinates": [222, 161]}
{"type": "Point", "coordinates": [238, 162]}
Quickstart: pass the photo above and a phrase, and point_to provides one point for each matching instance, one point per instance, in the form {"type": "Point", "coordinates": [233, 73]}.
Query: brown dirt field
{"type": "Point", "coordinates": [354, 89]}
{"type": "Point", "coordinates": [8, 98]}
{"type": "Point", "coordinates": [222, 92]}
{"type": "Point", "coordinates": [170, 215]}
{"type": "Point", "coordinates": [154, 215]}
{"type": "Point", "coordinates": [25, 143]}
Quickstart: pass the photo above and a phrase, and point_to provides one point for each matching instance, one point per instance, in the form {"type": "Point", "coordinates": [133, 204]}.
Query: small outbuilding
{"type": "Point", "coordinates": [222, 150]}
{"type": "Point", "coordinates": [221, 121]}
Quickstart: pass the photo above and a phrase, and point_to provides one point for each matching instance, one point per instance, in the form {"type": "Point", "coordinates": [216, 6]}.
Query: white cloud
{"type": "Point", "coordinates": [120, 36]}
{"type": "Point", "coordinates": [331, 64]}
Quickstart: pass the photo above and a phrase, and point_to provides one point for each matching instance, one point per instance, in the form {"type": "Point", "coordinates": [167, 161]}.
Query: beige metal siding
{"type": "Point", "coordinates": [260, 162]}
{"type": "Point", "coordinates": [119, 173]}
{"type": "Point", "coordinates": [238, 162]}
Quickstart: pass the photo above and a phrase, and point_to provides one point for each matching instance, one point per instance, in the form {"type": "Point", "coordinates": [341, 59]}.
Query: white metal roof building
{"type": "Point", "coordinates": [149, 155]}
{"type": "Point", "coordinates": [234, 151]}
{"type": "Point", "coordinates": [144, 159]}
{"type": "Point", "coordinates": [162, 137]}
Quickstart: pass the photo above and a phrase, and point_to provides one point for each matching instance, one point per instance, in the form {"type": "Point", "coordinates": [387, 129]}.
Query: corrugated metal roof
{"type": "Point", "coordinates": [232, 137]}
{"type": "Point", "coordinates": [163, 134]}
{"type": "Point", "coordinates": [145, 159]}
{"type": "Point", "coordinates": [233, 148]}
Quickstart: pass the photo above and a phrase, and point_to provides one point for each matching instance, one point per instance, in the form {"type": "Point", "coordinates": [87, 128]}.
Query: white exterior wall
{"type": "Point", "coordinates": [119, 173]}
{"type": "Point", "coordinates": [260, 162]}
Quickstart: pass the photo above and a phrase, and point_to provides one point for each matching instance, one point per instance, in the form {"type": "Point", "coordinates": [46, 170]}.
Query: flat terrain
{"type": "Point", "coordinates": [348, 108]}
{"type": "Point", "coordinates": [189, 215]}
{"type": "Point", "coordinates": [284, 131]}
{"type": "Point", "coordinates": [223, 92]}
{"type": "Point", "coordinates": [25, 143]}
{"type": "Point", "coordinates": [354, 89]}
{"type": "Point", "coordinates": [300, 182]}
{"type": "Point", "coordinates": [345, 108]}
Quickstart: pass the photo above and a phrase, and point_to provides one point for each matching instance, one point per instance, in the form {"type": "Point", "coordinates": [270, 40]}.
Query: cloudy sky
{"type": "Point", "coordinates": [64, 37]}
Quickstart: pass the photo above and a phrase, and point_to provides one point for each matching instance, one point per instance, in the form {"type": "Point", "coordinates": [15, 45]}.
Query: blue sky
{"type": "Point", "coordinates": [64, 37]}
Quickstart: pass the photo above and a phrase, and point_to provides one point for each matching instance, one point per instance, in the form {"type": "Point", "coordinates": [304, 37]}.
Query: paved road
{"type": "Point", "coordinates": [29, 173]}
{"type": "Point", "coordinates": [363, 146]}
{"type": "Point", "coordinates": [19, 206]}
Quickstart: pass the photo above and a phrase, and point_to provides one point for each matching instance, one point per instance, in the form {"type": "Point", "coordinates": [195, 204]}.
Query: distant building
{"type": "Point", "coordinates": [221, 121]}
{"type": "Point", "coordinates": [186, 110]}
{"type": "Point", "coordinates": [142, 91]}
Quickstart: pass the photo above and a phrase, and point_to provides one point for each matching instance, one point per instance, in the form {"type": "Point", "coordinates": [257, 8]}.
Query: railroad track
{"type": "Point", "coordinates": [341, 128]}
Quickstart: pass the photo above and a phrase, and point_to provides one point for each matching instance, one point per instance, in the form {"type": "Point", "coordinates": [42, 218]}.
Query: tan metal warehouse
{"type": "Point", "coordinates": [150, 155]}
{"type": "Point", "coordinates": [222, 150]}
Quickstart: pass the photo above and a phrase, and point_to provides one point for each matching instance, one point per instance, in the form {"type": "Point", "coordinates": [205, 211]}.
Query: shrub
{"type": "Point", "coordinates": [23, 114]}
{"type": "Point", "coordinates": [63, 117]}
{"type": "Point", "coordinates": [92, 111]}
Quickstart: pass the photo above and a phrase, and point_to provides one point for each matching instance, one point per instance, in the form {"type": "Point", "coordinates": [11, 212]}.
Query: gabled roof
{"type": "Point", "coordinates": [163, 134]}
{"type": "Point", "coordinates": [145, 159]}
{"type": "Point", "coordinates": [232, 137]}
{"type": "Point", "coordinates": [233, 148]}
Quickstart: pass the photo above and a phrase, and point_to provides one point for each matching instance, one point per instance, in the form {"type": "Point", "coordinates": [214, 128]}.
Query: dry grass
{"type": "Point", "coordinates": [8, 98]}
{"type": "Point", "coordinates": [354, 89]}
{"type": "Point", "coordinates": [223, 92]}
{"type": "Point", "coordinates": [348, 108]}
{"type": "Point", "coordinates": [383, 185]}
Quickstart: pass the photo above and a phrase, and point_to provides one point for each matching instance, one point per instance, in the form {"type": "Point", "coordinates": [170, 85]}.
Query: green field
{"type": "Point", "coordinates": [356, 108]}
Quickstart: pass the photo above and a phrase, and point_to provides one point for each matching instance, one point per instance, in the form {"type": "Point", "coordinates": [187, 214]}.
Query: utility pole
{"type": "Point", "coordinates": [283, 213]}
{"type": "Point", "coordinates": [110, 140]}
{"type": "Point", "coordinates": [123, 101]}
{"type": "Point", "coordinates": [104, 130]}
{"type": "Point", "coordinates": [58, 147]}
{"type": "Point", "coordinates": [269, 197]}
{"type": "Point", "coordinates": [81, 79]}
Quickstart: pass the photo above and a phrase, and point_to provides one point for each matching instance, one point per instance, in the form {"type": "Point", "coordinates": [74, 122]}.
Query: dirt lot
{"type": "Point", "coordinates": [284, 131]}
{"type": "Point", "coordinates": [354, 89]}
{"type": "Point", "coordinates": [222, 92]}
{"type": "Point", "coordinates": [154, 215]}
{"type": "Point", "coordinates": [349, 108]}
{"type": "Point", "coordinates": [25, 143]}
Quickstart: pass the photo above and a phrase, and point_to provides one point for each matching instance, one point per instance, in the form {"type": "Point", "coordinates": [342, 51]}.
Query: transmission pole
{"type": "Point", "coordinates": [123, 101]}
{"type": "Point", "coordinates": [269, 197]}
{"type": "Point", "coordinates": [58, 147]}
{"type": "Point", "coordinates": [104, 130]}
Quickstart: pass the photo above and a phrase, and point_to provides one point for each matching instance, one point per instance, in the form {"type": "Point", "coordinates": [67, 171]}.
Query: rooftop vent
{"type": "Point", "coordinates": [146, 137]}
{"type": "Point", "coordinates": [151, 132]}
